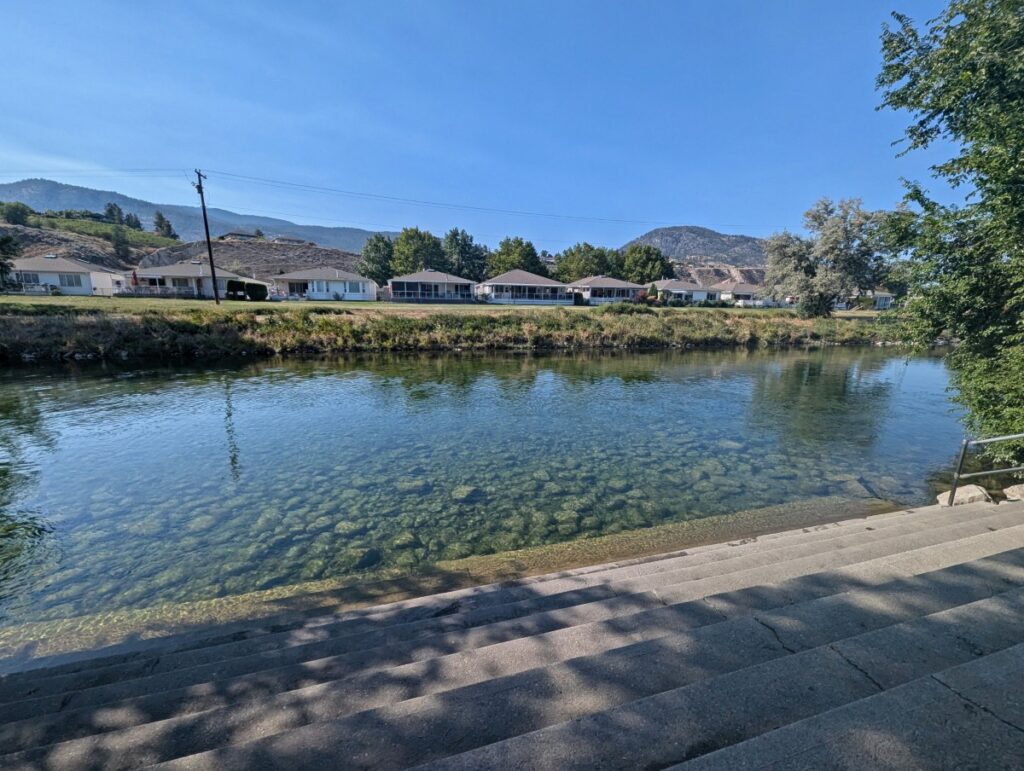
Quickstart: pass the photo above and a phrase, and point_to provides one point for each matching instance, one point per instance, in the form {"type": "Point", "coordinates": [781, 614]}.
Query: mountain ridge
{"type": "Point", "coordinates": [688, 246]}
{"type": "Point", "coordinates": [697, 245]}
{"type": "Point", "coordinates": [42, 194]}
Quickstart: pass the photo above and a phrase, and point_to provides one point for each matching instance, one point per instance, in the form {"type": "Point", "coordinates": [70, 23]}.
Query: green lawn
{"type": "Point", "coordinates": [22, 304]}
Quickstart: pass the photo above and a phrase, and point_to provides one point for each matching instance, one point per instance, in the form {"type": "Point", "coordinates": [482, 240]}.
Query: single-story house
{"type": "Point", "coordinates": [740, 292]}
{"type": "Point", "coordinates": [687, 291]}
{"type": "Point", "coordinates": [604, 289]}
{"type": "Point", "coordinates": [523, 287]}
{"type": "Point", "coordinates": [881, 300]}
{"type": "Point", "coordinates": [431, 286]}
{"type": "Point", "coordinates": [45, 273]}
{"type": "Point", "coordinates": [190, 278]}
{"type": "Point", "coordinates": [326, 284]}
{"type": "Point", "coordinates": [237, 235]}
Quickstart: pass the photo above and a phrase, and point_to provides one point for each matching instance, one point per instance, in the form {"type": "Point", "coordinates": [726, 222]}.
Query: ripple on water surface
{"type": "Point", "coordinates": [123, 490]}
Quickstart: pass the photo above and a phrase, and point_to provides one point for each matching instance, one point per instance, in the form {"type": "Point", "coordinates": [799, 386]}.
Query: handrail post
{"type": "Point", "coordinates": [959, 468]}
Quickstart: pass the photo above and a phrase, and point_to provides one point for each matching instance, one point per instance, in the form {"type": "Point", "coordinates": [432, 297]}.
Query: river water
{"type": "Point", "coordinates": [126, 489]}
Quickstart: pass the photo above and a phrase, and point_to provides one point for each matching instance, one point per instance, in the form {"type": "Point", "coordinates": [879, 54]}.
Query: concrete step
{"type": "Point", "coordinates": [250, 697]}
{"type": "Point", "coordinates": [680, 725]}
{"type": "Point", "coordinates": [71, 723]}
{"type": "Point", "coordinates": [72, 691]}
{"type": "Point", "coordinates": [43, 682]}
{"type": "Point", "coordinates": [967, 716]}
{"type": "Point", "coordinates": [740, 679]}
{"type": "Point", "coordinates": [450, 603]}
{"type": "Point", "coordinates": [673, 649]}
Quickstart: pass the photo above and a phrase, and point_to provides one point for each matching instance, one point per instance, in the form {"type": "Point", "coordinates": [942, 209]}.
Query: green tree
{"type": "Point", "coordinates": [132, 221]}
{"type": "Point", "coordinates": [512, 254]}
{"type": "Point", "coordinates": [118, 240]}
{"type": "Point", "coordinates": [113, 214]}
{"type": "Point", "coordinates": [643, 263]}
{"type": "Point", "coordinates": [258, 234]}
{"type": "Point", "coordinates": [10, 248]}
{"type": "Point", "coordinates": [961, 78]}
{"type": "Point", "coordinates": [582, 260]}
{"type": "Point", "coordinates": [416, 250]}
{"type": "Point", "coordinates": [162, 226]}
{"type": "Point", "coordinates": [466, 257]}
{"type": "Point", "coordinates": [844, 253]}
{"type": "Point", "coordinates": [15, 212]}
{"type": "Point", "coordinates": [376, 258]}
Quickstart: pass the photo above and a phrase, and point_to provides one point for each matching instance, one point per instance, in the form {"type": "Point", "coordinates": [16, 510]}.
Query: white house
{"type": "Point", "coordinates": [740, 292]}
{"type": "Point", "coordinates": [190, 278]}
{"type": "Point", "coordinates": [604, 289]}
{"type": "Point", "coordinates": [326, 284]}
{"type": "Point", "coordinates": [520, 287]}
{"type": "Point", "coordinates": [47, 273]}
{"type": "Point", "coordinates": [431, 286]}
{"type": "Point", "coordinates": [686, 290]}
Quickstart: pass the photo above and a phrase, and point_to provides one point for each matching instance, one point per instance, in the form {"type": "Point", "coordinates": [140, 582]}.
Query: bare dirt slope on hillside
{"type": "Point", "coordinates": [39, 241]}
{"type": "Point", "coordinates": [260, 258]}
{"type": "Point", "coordinates": [706, 275]}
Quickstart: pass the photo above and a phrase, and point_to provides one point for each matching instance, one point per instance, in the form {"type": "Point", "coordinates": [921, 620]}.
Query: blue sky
{"type": "Point", "coordinates": [728, 114]}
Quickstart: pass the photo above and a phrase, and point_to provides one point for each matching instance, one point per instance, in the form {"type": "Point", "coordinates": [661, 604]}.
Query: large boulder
{"type": "Point", "coordinates": [1014, 493]}
{"type": "Point", "coordinates": [965, 494]}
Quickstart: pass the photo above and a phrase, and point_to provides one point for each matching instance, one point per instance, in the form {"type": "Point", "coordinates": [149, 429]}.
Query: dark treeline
{"type": "Point", "coordinates": [414, 250]}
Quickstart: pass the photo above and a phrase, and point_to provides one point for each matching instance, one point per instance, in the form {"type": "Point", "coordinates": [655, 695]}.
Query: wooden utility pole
{"type": "Point", "coordinates": [198, 184]}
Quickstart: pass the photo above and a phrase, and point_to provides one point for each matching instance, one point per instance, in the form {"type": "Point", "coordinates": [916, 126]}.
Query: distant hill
{"type": "Point", "coordinates": [43, 194]}
{"type": "Point", "coordinates": [693, 245]}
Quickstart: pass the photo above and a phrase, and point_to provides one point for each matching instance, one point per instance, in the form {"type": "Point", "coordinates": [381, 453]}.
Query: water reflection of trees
{"type": "Point", "coordinates": [818, 396]}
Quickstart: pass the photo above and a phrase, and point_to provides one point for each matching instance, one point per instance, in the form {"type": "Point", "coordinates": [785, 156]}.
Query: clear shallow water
{"type": "Point", "coordinates": [126, 489]}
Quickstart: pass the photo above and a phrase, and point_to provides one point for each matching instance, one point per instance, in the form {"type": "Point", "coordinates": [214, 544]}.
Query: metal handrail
{"type": "Point", "coordinates": [967, 443]}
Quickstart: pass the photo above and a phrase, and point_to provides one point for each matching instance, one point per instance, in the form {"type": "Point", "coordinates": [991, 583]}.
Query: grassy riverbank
{"type": "Point", "coordinates": [45, 329]}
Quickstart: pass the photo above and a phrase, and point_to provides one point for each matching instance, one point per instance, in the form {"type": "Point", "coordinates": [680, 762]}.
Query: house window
{"type": "Point", "coordinates": [27, 278]}
{"type": "Point", "coordinates": [354, 287]}
{"type": "Point", "coordinates": [179, 283]}
{"type": "Point", "coordinates": [70, 279]}
{"type": "Point", "coordinates": [320, 286]}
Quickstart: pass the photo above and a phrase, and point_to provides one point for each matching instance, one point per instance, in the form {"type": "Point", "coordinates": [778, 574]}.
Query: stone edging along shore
{"type": "Point", "coordinates": [28, 334]}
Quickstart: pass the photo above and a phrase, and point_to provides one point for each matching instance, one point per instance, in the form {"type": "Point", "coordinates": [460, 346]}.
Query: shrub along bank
{"type": "Point", "coordinates": [203, 334]}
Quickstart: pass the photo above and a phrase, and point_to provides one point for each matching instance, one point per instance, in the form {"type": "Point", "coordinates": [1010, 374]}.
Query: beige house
{"type": "Point", "coordinates": [604, 289]}
{"type": "Point", "coordinates": [741, 293]}
{"type": "Point", "coordinates": [431, 286]}
{"type": "Point", "coordinates": [190, 278]}
{"type": "Point", "coordinates": [325, 284]}
{"type": "Point", "coordinates": [686, 291]}
{"type": "Point", "coordinates": [520, 287]}
{"type": "Point", "coordinates": [49, 273]}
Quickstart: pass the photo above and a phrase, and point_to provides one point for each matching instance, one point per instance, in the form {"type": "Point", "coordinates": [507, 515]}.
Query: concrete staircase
{"type": "Point", "coordinates": [890, 641]}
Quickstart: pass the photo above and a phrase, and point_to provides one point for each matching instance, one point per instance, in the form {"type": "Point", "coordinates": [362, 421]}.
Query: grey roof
{"type": "Point", "coordinates": [430, 276]}
{"type": "Point", "coordinates": [190, 269]}
{"type": "Point", "coordinates": [677, 285]}
{"type": "Point", "coordinates": [322, 274]}
{"type": "Point", "coordinates": [605, 282]}
{"type": "Point", "coordinates": [521, 278]}
{"type": "Point", "coordinates": [44, 264]}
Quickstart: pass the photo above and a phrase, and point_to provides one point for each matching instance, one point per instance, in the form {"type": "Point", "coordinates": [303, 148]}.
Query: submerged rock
{"type": "Point", "coordinates": [467, 493]}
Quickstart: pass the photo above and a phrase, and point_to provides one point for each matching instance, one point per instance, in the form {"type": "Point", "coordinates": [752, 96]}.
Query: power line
{"type": "Point", "coordinates": [170, 173]}
{"type": "Point", "coordinates": [423, 202]}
